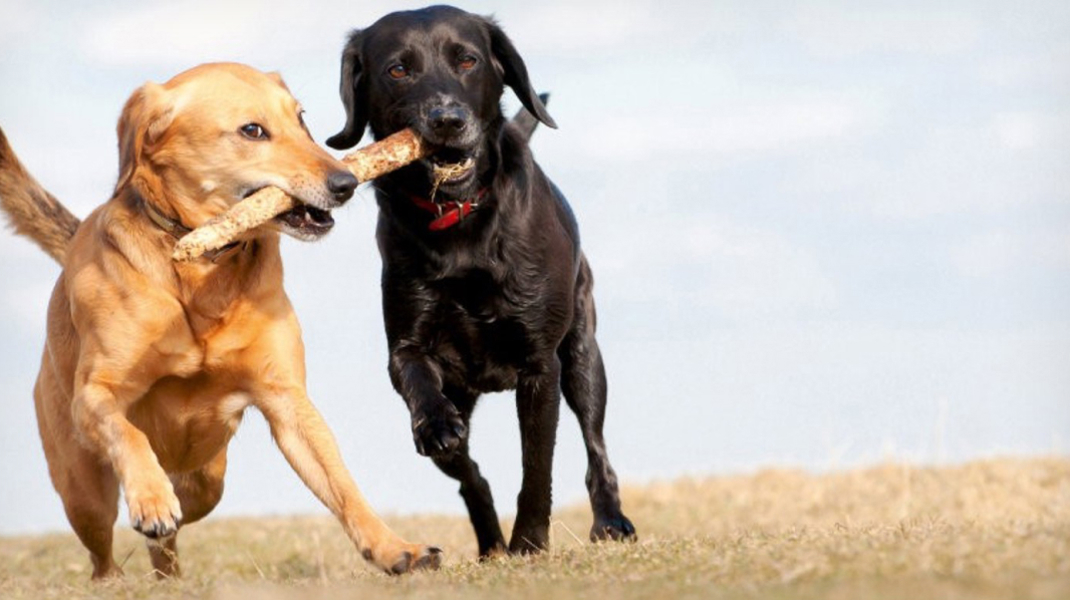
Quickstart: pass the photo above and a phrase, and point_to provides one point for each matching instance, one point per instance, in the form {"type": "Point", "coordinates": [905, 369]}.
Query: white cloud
{"type": "Point", "coordinates": [1006, 251]}
{"type": "Point", "coordinates": [1042, 67]}
{"type": "Point", "coordinates": [1018, 131]}
{"type": "Point", "coordinates": [25, 304]}
{"type": "Point", "coordinates": [187, 33]}
{"type": "Point", "coordinates": [29, 276]}
{"type": "Point", "coordinates": [842, 30]}
{"type": "Point", "coordinates": [21, 18]}
{"type": "Point", "coordinates": [572, 27]}
{"type": "Point", "coordinates": [788, 123]}
{"type": "Point", "coordinates": [715, 263]}
{"type": "Point", "coordinates": [1003, 163]}
{"type": "Point", "coordinates": [270, 32]}
{"type": "Point", "coordinates": [1031, 130]}
{"type": "Point", "coordinates": [629, 32]}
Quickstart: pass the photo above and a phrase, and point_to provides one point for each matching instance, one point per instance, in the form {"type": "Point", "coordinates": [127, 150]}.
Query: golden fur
{"type": "Point", "coordinates": [149, 364]}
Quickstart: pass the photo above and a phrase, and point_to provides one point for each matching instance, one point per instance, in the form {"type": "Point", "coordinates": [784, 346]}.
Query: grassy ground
{"type": "Point", "coordinates": [993, 529]}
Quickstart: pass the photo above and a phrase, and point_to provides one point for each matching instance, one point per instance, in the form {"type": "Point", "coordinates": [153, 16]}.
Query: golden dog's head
{"type": "Point", "coordinates": [215, 134]}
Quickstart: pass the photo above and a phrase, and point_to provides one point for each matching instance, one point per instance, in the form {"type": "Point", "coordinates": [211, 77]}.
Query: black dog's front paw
{"type": "Point", "coordinates": [439, 430]}
{"type": "Point", "coordinates": [616, 527]}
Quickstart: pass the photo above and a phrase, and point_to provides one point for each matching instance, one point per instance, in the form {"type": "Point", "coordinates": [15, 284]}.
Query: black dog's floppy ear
{"type": "Point", "coordinates": [516, 74]}
{"type": "Point", "coordinates": [525, 122]}
{"type": "Point", "coordinates": [356, 112]}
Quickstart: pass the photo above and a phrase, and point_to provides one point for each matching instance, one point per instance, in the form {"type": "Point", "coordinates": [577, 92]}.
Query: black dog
{"type": "Point", "coordinates": [484, 285]}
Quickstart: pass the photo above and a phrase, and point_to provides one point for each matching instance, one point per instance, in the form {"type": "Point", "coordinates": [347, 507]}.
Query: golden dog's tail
{"type": "Point", "coordinates": [32, 211]}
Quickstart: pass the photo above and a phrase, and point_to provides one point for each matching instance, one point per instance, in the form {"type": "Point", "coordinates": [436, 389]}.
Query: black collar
{"type": "Point", "coordinates": [177, 230]}
{"type": "Point", "coordinates": [171, 226]}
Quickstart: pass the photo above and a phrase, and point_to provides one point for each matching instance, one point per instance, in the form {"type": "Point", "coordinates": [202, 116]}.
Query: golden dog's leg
{"type": "Point", "coordinates": [198, 492]}
{"type": "Point", "coordinates": [310, 448]}
{"type": "Point", "coordinates": [90, 494]}
{"type": "Point", "coordinates": [85, 482]}
{"type": "Point", "coordinates": [154, 508]}
{"type": "Point", "coordinates": [163, 552]}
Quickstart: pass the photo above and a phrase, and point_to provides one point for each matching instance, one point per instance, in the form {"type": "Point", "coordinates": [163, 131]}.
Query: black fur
{"type": "Point", "coordinates": [502, 300]}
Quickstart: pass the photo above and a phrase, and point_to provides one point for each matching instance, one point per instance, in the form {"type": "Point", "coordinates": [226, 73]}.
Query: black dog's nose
{"type": "Point", "coordinates": [341, 185]}
{"type": "Point", "coordinates": [448, 121]}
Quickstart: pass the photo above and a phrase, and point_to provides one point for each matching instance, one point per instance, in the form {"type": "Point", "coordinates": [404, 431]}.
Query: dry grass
{"type": "Point", "coordinates": [993, 529]}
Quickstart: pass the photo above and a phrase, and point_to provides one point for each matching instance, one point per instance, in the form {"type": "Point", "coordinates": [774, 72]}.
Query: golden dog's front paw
{"type": "Point", "coordinates": [405, 558]}
{"type": "Point", "coordinates": [154, 510]}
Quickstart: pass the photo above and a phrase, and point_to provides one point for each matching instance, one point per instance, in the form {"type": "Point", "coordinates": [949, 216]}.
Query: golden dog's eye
{"type": "Point", "coordinates": [398, 71]}
{"type": "Point", "coordinates": [467, 62]}
{"type": "Point", "coordinates": [254, 131]}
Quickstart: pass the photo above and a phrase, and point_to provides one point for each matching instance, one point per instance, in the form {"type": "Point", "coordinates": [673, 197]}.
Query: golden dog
{"type": "Point", "coordinates": [149, 364]}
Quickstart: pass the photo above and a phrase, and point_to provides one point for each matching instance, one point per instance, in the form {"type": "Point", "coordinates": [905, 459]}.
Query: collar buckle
{"type": "Point", "coordinates": [447, 214]}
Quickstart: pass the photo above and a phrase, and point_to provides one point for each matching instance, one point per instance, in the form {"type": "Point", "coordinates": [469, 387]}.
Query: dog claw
{"type": "Point", "coordinates": [617, 528]}
{"type": "Point", "coordinates": [157, 530]}
{"type": "Point", "coordinates": [438, 432]}
{"type": "Point", "coordinates": [402, 565]}
{"type": "Point", "coordinates": [430, 561]}
{"type": "Point", "coordinates": [430, 558]}
{"type": "Point", "coordinates": [155, 516]}
{"type": "Point", "coordinates": [416, 558]}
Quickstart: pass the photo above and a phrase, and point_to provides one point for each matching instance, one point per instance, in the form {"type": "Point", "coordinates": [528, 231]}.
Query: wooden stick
{"type": "Point", "coordinates": [368, 163]}
{"type": "Point", "coordinates": [386, 155]}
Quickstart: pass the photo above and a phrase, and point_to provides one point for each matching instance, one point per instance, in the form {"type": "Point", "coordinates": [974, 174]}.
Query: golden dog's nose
{"type": "Point", "coordinates": [341, 185]}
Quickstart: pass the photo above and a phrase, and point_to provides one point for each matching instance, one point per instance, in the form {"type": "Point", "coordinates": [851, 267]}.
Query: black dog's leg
{"type": "Point", "coordinates": [474, 488]}
{"type": "Point", "coordinates": [583, 382]}
{"type": "Point", "coordinates": [437, 426]}
{"type": "Point", "coordinates": [538, 399]}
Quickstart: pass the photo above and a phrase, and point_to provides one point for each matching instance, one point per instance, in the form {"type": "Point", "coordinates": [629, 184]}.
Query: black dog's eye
{"type": "Point", "coordinates": [253, 131]}
{"type": "Point", "coordinates": [467, 62]}
{"type": "Point", "coordinates": [398, 71]}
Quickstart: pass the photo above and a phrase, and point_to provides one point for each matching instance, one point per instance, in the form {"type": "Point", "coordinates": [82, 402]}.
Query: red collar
{"type": "Point", "coordinates": [449, 213]}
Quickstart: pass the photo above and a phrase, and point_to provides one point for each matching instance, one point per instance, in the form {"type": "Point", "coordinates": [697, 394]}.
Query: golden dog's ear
{"type": "Point", "coordinates": [277, 78]}
{"type": "Point", "coordinates": [145, 118]}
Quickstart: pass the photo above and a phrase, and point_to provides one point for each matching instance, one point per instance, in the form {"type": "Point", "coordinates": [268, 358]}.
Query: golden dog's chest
{"type": "Point", "coordinates": [188, 421]}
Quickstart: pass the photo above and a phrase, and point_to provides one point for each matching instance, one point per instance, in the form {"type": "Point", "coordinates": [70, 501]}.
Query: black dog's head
{"type": "Point", "coordinates": [440, 71]}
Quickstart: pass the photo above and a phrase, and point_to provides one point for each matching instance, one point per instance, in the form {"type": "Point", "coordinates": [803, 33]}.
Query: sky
{"type": "Point", "coordinates": [824, 234]}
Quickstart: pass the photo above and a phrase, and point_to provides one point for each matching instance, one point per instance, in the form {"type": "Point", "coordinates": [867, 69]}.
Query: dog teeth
{"type": "Point", "coordinates": [452, 171]}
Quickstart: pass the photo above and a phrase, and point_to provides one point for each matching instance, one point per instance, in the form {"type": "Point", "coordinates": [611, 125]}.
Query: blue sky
{"type": "Point", "coordinates": [824, 234]}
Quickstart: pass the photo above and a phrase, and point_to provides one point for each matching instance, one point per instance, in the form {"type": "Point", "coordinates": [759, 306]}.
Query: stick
{"type": "Point", "coordinates": [366, 164]}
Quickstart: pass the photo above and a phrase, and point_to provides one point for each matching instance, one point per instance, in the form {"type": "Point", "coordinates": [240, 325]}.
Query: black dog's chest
{"type": "Point", "coordinates": [475, 294]}
{"type": "Point", "coordinates": [482, 340]}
